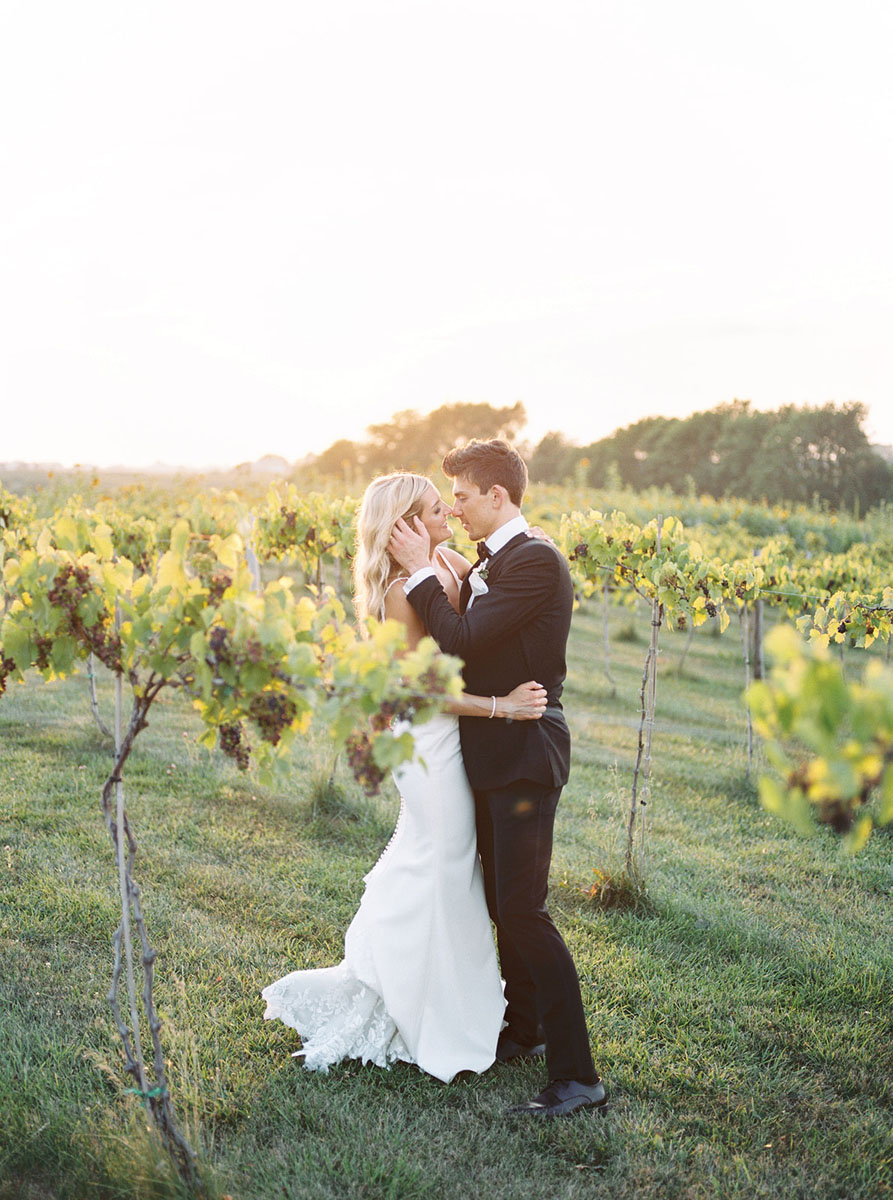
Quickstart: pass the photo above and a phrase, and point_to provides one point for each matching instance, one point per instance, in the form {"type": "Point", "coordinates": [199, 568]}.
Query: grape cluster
{"type": "Point", "coordinates": [210, 573]}
{"type": "Point", "coordinates": [7, 666]}
{"type": "Point", "coordinates": [382, 719]}
{"type": "Point", "coordinates": [392, 710]}
{"type": "Point", "coordinates": [835, 812]}
{"type": "Point", "coordinates": [272, 712]}
{"type": "Point", "coordinates": [429, 681]}
{"type": "Point", "coordinates": [219, 645]}
{"type": "Point", "coordinates": [365, 770]}
{"type": "Point", "coordinates": [71, 586]}
{"type": "Point", "coordinates": [580, 551]}
{"type": "Point", "coordinates": [217, 585]}
{"type": "Point", "coordinates": [288, 516]}
{"type": "Point", "coordinates": [43, 646]}
{"type": "Point", "coordinates": [710, 606]}
{"type": "Point", "coordinates": [232, 745]}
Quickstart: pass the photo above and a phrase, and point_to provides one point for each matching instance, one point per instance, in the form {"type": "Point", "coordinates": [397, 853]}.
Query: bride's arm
{"type": "Point", "coordinates": [525, 703]}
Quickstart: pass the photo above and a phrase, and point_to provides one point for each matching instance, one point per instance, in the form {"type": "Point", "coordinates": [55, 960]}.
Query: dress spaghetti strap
{"type": "Point", "coordinates": [399, 579]}
{"type": "Point", "coordinates": [449, 566]}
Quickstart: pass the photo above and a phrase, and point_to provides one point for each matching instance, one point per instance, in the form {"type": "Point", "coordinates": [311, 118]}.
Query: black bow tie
{"type": "Point", "coordinates": [483, 552]}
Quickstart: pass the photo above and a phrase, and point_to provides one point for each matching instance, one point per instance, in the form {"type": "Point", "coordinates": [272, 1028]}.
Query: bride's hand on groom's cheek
{"type": "Point", "coordinates": [410, 545]}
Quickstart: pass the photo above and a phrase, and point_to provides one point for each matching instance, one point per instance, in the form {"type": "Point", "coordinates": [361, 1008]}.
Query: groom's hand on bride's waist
{"type": "Point", "coordinates": [410, 545]}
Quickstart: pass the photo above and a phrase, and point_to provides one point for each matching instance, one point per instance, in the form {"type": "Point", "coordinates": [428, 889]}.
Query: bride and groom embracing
{"type": "Point", "coordinates": [419, 980]}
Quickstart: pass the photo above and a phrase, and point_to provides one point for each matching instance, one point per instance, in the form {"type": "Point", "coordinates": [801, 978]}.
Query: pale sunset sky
{"type": "Point", "coordinates": [235, 229]}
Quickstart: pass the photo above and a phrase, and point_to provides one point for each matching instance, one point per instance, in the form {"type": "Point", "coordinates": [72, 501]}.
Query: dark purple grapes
{"type": "Point", "coordinates": [233, 746]}
{"type": "Point", "coordinates": [72, 584]}
{"type": "Point", "coordinates": [7, 666]}
{"type": "Point", "coordinates": [365, 770]}
{"type": "Point", "coordinates": [272, 712]}
{"type": "Point", "coordinates": [218, 584]}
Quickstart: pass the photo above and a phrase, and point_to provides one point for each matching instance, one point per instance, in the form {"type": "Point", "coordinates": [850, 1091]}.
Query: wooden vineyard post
{"type": "Point", "coordinates": [745, 642]}
{"type": "Point", "coordinates": [94, 702]}
{"type": "Point", "coordinates": [635, 862]}
{"type": "Point", "coordinates": [251, 560]}
{"type": "Point", "coordinates": [608, 674]}
{"type": "Point", "coordinates": [759, 666]}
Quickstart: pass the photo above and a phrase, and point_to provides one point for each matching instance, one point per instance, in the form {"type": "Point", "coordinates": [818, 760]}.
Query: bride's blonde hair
{"type": "Point", "coordinates": [385, 500]}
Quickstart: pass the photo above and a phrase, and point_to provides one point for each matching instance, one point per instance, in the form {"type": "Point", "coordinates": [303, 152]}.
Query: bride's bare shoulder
{"type": "Point", "coordinates": [398, 608]}
{"type": "Point", "coordinates": [457, 561]}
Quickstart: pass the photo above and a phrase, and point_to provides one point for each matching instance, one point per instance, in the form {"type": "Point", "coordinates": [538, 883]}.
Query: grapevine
{"type": "Point", "coordinates": [830, 740]}
{"type": "Point", "coordinates": [194, 622]}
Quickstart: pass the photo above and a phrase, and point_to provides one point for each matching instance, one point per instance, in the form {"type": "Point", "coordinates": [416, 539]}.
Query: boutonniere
{"type": "Point", "coordinates": [478, 578]}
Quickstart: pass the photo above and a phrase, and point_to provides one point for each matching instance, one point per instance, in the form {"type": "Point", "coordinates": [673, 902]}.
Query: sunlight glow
{"type": "Point", "coordinates": [231, 231]}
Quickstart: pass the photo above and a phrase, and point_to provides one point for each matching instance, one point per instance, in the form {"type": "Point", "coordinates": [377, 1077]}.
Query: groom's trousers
{"type": "Point", "coordinates": [514, 832]}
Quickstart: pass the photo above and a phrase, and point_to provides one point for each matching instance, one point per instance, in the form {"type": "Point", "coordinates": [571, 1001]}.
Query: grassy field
{"type": "Point", "coordinates": [741, 1020]}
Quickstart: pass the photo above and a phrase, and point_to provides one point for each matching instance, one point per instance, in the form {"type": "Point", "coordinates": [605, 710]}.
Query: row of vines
{"type": "Point", "coordinates": [736, 560]}
{"type": "Point", "coordinates": [174, 605]}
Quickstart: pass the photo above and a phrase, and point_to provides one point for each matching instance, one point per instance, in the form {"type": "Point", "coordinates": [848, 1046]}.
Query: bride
{"type": "Point", "coordinates": [419, 979]}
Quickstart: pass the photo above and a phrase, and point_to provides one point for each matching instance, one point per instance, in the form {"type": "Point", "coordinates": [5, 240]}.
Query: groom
{"type": "Point", "coordinates": [515, 611]}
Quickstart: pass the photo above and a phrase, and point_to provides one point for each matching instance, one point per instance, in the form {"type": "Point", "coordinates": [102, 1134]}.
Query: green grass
{"type": "Point", "coordinates": [741, 1019]}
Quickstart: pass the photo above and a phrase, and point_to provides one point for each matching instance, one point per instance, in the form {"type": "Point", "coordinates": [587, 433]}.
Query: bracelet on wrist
{"type": "Point", "coordinates": [493, 709]}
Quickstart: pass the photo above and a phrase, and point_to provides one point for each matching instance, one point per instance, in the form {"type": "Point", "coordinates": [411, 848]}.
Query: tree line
{"type": "Point", "coordinates": [788, 455]}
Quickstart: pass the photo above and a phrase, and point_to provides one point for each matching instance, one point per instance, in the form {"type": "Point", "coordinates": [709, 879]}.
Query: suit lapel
{"type": "Point", "coordinates": [464, 593]}
{"type": "Point", "coordinates": [465, 590]}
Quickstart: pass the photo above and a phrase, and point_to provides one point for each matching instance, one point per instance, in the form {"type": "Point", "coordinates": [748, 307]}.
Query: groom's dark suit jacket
{"type": "Point", "coordinates": [514, 632]}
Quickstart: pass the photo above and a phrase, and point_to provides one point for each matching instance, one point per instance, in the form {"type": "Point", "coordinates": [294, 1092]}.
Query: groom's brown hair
{"type": "Point", "coordinates": [488, 463]}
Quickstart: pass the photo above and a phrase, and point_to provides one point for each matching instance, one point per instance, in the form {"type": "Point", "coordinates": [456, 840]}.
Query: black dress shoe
{"type": "Point", "coordinates": [508, 1049]}
{"type": "Point", "coordinates": [566, 1096]}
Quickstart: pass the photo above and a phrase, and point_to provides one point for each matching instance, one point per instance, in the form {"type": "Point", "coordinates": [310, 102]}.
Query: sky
{"type": "Point", "coordinates": [228, 230]}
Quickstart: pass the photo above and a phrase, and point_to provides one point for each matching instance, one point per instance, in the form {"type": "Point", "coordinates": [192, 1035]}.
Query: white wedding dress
{"type": "Point", "coordinates": [419, 979]}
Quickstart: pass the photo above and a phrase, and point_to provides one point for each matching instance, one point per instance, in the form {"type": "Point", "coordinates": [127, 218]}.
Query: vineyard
{"type": "Point", "coordinates": [235, 608]}
{"type": "Point", "coordinates": [187, 570]}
